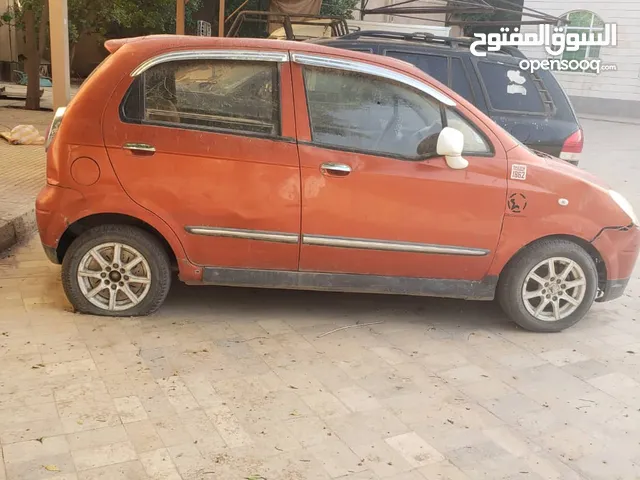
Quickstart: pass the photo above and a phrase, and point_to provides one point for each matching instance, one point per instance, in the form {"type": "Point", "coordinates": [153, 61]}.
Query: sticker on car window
{"type": "Point", "coordinates": [516, 83]}
{"type": "Point", "coordinates": [518, 172]}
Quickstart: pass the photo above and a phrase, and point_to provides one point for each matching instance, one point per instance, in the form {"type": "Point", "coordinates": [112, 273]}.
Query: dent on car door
{"type": "Point", "coordinates": [371, 204]}
{"type": "Point", "coordinates": [207, 144]}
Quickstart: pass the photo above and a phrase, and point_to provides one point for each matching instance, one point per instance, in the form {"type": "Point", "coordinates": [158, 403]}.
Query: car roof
{"type": "Point", "coordinates": [152, 45]}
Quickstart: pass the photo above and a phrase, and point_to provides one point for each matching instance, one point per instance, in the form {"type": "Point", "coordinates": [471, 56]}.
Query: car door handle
{"type": "Point", "coordinates": [335, 169]}
{"type": "Point", "coordinates": [139, 147]}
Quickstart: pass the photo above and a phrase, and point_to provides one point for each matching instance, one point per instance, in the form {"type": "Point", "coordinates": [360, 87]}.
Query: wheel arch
{"type": "Point", "coordinates": [581, 242]}
{"type": "Point", "coordinates": [77, 228]}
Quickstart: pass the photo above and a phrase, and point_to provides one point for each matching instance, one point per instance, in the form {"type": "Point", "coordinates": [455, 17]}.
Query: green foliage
{"type": "Point", "coordinates": [124, 17]}
{"type": "Point", "coordinates": [146, 17]}
{"type": "Point", "coordinates": [87, 17]}
{"type": "Point", "coordinates": [340, 8]}
{"type": "Point", "coordinates": [6, 17]}
{"type": "Point", "coordinates": [13, 15]}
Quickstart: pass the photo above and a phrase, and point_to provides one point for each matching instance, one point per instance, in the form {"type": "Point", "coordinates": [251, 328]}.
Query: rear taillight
{"type": "Point", "coordinates": [572, 147]}
{"type": "Point", "coordinates": [53, 128]}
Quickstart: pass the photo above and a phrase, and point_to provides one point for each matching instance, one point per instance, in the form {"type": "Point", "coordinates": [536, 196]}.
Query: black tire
{"type": "Point", "coordinates": [512, 279]}
{"type": "Point", "coordinates": [146, 244]}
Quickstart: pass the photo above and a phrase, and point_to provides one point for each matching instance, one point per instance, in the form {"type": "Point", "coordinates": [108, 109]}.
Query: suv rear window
{"type": "Point", "coordinates": [510, 89]}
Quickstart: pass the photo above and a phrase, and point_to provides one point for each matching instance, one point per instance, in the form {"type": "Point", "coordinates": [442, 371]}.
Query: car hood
{"type": "Point", "coordinates": [570, 170]}
{"type": "Point", "coordinates": [522, 154]}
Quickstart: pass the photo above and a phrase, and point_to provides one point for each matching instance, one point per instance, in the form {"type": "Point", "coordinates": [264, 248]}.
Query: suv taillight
{"type": "Point", "coordinates": [572, 147]}
{"type": "Point", "coordinates": [53, 128]}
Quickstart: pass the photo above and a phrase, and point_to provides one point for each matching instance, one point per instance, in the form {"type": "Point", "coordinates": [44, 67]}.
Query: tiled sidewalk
{"type": "Point", "coordinates": [236, 384]}
{"type": "Point", "coordinates": [22, 174]}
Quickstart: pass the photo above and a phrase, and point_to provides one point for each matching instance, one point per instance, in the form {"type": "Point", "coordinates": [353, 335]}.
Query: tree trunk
{"type": "Point", "coordinates": [32, 63]}
{"type": "Point", "coordinates": [42, 28]}
{"type": "Point", "coordinates": [72, 54]}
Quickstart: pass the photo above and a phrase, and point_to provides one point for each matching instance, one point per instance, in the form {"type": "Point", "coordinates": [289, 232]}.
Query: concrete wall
{"type": "Point", "coordinates": [8, 38]}
{"type": "Point", "coordinates": [614, 93]}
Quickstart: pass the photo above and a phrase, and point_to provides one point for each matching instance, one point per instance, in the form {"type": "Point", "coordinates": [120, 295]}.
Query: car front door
{"type": "Point", "coordinates": [206, 142]}
{"type": "Point", "coordinates": [376, 199]}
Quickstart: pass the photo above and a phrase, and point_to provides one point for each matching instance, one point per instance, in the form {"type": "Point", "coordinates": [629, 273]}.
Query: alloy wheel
{"type": "Point", "coordinates": [554, 289]}
{"type": "Point", "coordinates": [114, 276]}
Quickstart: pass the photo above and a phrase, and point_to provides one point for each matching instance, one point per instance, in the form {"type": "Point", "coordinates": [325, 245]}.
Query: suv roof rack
{"type": "Point", "coordinates": [453, 42]}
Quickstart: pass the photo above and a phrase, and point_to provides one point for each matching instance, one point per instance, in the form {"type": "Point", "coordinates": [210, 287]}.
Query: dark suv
{"type": "Point", "coordinates": [531, 106]}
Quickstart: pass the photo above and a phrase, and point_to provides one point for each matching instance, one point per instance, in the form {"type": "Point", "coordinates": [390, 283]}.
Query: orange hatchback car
{"type": "Point", "coordinates": [266, 163]}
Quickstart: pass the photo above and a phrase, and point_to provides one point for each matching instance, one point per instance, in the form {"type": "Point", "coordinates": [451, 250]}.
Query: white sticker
{"type": "Point", "coordinates": [516, 90]}
{"type": "Point", "coordinates": [518, 172]}
{"type": "Point", "coordinates": [515, 76]}
{"type": "Point", "coordinates": [516, 83]}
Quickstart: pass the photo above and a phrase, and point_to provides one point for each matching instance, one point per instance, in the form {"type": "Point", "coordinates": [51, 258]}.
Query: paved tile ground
{"type": "Point", "coordinates": [239, 383]}
{"type": "Point", "coordinates": [22, 173]}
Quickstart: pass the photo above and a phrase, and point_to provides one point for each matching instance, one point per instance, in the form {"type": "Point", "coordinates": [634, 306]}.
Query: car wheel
{"type": "Point", "coordinates": [549, 286]}
{"type": "Point", "coordinates": [116, 270]}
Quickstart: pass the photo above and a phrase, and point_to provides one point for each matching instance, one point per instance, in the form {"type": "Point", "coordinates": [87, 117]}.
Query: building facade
{"type": "Point", "coordinates": [8, 37]}
{"type": "Point", "coordinates": [612, 92]}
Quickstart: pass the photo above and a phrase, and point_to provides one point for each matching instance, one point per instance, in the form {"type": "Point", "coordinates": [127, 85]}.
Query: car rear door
{"type": "Point", "coordinates": [205, 140]}
{"type": "Point", "coordinates": [370, 204]}
{"type": "Point", "coordinates": [530, 106]}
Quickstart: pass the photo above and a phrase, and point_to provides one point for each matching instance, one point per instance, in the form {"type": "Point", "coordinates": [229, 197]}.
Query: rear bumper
{"type": "Point", "coordinates": [53, 206]}
{"type": "Point", "coordinates": [51, 254]}
{"type": "Point", "coordinates": [619, 248]}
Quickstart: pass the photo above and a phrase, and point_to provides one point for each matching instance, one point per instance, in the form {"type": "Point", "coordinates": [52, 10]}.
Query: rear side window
{"type": "Point", "coordinates": [434, 65]}
{"type": "Point", "coordinates": [236, 96]}
{"type": "Point", "coordinates": [460, 81]}
{"type": "Point", "coordinates": [510, 89]}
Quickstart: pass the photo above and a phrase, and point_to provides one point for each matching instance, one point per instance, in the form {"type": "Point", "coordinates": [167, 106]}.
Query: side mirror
{"type": "Point", "coordinates": [450, 144]}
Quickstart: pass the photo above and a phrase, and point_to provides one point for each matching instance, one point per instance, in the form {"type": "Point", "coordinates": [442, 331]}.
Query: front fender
{"type": "Point", "coordinates": [520, 231]}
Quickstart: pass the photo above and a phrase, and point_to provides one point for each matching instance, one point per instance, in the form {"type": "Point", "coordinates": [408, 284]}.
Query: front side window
{"type": "Point", "coordinates": [235, 96]}
{"type": "Point", "coordinates": [474, 142]}
{"type": "Point", "coordinates": [365, 113]}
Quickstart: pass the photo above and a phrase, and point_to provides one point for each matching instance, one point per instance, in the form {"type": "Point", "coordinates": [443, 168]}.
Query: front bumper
{"type": "Point", "coordinates": [619, 248]}
{"type": "Point", "coordinates": [613, 289]}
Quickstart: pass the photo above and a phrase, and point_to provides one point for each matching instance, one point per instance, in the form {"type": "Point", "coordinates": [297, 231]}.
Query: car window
{"type": "Point", "coordinates": [474, 142]}
{"type": "Point", "coordinates": [434, 65]}
{"type": "Point", "coordinates": [211, 94]}
{"type": "Point", "coordinates": [459, 80]}
{"type": "Point", "coordinates": [365, 113]}
{"type": "Point", "coordinates": [510, 89]}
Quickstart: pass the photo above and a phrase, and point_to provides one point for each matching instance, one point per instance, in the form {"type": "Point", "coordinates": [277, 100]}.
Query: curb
{"type": "Point", "coordinates": [17, 229]}
{"type": "Point", "coordinates": [623, 120]}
